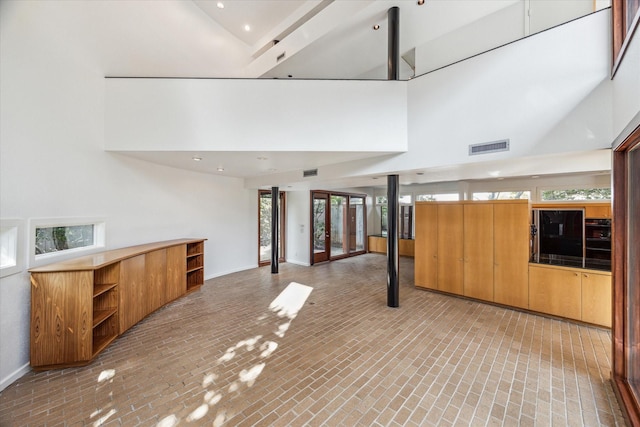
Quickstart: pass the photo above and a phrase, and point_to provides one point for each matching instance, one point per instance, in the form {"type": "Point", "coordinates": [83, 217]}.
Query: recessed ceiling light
{"type": "Point", "coordinates": [196, 158]}
{"type": "Point", "coordinates": [420, 2]}
{"type": "Point", "coordinates": [261, 158]}
{"type": "Point", "coordinates": [375, 177]}
{"type": "Point", "coordinates": [419, 173]}
{"type": "Point", "coordinates": [220, 5]}
{"type": "Point", "coordinates": [535, 176]}
{"type": "Point", "coordinates": [247, 27]}
{"type": "Point", "coordinates": [220, 169]}
{"type": "Point", "coordinates": [272, 170]}
{"type": "Point", "coordinates": [376, 27]}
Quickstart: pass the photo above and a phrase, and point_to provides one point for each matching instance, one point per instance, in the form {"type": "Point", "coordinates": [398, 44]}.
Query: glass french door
{"type": "Point", "coordinates": [357, 224]}
{"type": "Point", "coordinates": [265, 204]}
{"type": "Point", "coordinates": [339, 225]}
{"type": "Point", "coordinates": [626, 274]}
{"type": "Point", "coordinates": [321, 219]}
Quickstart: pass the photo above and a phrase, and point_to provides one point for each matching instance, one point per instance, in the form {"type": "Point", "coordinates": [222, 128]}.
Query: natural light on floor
{"type": "Point", "coordinates": [285, 307]}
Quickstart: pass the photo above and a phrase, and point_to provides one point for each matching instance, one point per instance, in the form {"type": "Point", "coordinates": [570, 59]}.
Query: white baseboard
{"type": "Point", "coordinates": [7, 381]}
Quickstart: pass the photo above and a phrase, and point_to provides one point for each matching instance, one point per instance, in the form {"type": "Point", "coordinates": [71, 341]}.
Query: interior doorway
{"type": "Point", "coordinates": [265, 205]}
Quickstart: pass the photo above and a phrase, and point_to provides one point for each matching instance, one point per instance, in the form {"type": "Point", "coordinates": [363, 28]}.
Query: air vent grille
{"type": "Point", "coordinates": [489, 147]}
{"type": "Point", "coordinates": [310, 172]}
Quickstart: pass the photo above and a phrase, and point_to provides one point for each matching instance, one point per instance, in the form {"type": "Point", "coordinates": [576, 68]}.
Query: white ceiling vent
{"type": "Point", "coordinates": [310, 172]}
{"type": "Point", "coordinates": [489, 147]}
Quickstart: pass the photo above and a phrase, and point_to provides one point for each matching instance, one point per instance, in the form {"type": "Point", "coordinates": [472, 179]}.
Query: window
{"type": "Point", "coordinates": [577, 194]}
{"type": "Point", "coordinates": [62, 238]}
{"type": "Point", "coordinates": [10, 247]}
{"type": "Point", "coordinates": [381, 200]}
{"type": "Point", "coordinates": [501, 195]}
{"type": "Point", "coordinates": [443, 197]}
{"type": "Point", "coordinates": [405, 199]}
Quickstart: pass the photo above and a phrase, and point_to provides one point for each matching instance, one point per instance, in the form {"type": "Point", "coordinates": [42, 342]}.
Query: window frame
{"type": "Point", "coordinates": [18, 249]}
{"type": "Point", "coordinates": [99, 244]}
{"type": "Point", "coordinates": [622, 33]}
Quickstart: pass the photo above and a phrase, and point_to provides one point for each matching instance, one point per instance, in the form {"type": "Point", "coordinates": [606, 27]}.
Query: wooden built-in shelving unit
{"type": "Point", "coordinates": [195, 265]}
{"type": "Point", "coordinates": [78, 307]}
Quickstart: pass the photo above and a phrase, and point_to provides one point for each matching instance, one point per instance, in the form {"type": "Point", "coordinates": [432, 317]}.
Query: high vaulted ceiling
{"type": "Point", "coordinates": [285, 39]}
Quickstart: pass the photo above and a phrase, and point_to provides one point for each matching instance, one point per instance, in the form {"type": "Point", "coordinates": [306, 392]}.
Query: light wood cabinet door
{"type": "Point", "coordinates": [155, 265]}
{"type": "Point", "coordinates": [478, 251]}
{"type": "Point", "coordinates": [377, 244]}
{"type": "Point", "coordinates": [555, 291]}
{"type": "Point", "coordinates": [450, 248]}
{"type": "Point", "coordinates": [596, 298]}
{"type": "Point", "coordinates": [61, 318]}
{"type": "Point", "coordinates": [426, 246]}
{"type": "Point", "coordinates": [176, 272]}
{"type": "Point", "coordinates": [511, 254]}
{"type": "Point", "coordinates": [132, 292]}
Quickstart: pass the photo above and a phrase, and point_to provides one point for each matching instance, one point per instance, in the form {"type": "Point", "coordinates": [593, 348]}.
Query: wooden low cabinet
{"type": "Point", "coordinates": [78, 307]}
{"type": "Point", "coordinates": [573, 293]}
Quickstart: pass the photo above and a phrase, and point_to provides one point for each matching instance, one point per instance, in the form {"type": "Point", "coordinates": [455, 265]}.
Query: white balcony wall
{"type": "Point", "coordinates": [547, 94]}
{"type": "Point", "coordinates": [626, 88]}
{"type": "Point", "coordinates": [255, 115]}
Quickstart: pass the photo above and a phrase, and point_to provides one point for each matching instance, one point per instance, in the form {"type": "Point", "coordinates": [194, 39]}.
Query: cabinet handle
{"type": "Point", "coordinates": [575, 274]}
{"type": "Point", "coordinates": [586, 275]}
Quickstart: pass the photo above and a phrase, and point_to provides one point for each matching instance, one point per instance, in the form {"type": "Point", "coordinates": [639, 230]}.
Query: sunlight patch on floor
{"type": "Point", "coordinates": [286, 305]}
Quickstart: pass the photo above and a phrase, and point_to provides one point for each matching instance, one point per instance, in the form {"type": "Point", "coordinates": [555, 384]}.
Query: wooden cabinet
{"type": "Point", "coordinates": [133, 293]}
{"type": "Point", "coordinates": [176, 272]}
{"type": "Point", "coordinates": [78, 307]}
{"type": "Point", "coordinates": [596, 298]}
{"type": "Point", "coordinates": [573, 293]}
{"type": "Point", "coordinates": [555, 291]}
{"type": "Point", "coordinates": [478, 251]}
{"type": "Point", "coordinates": [426, 246]}
{"type": "Point", "coordinates": [511, 254]}
{"type": "Point", "coordinates": [450, 241]}
{"type": "Point", "coordinates": [378, 244]}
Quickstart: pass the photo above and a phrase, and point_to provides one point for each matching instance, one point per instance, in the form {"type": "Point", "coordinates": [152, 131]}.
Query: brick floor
{"type": "Point", "coordinates": [220, 356]}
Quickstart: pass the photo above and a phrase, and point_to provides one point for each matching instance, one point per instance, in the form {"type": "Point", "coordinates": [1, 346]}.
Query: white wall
{"type": "Point", "coordinates": [522, 92]}
{"type": "Point", "coordinates": [284, 115]}
{"type": "Point", "coordinates": [52, 165]}
{"type": "Point", "coordinates": [298, 227]}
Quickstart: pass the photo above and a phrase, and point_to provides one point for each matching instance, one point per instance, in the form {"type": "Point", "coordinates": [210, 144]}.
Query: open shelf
{"type": "Point", "coordinates": [101, 289]}
{"type": "Point", "coordinates": [195, 265]}
{"type": "Point", "coordinates": [100, 316]}
{"type": "Point", "coordinates": [100, 342]}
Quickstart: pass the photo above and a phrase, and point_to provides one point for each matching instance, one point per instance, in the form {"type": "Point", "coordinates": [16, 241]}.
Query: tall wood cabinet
{"type": "Point", "coordinates": [511, 254]}
{"type": "Point", "coordinates": [480, 249]}
{"type": "Point", "coordinates": [79, 307]}
{"type": "Point", "coordinates": [450, 240]}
